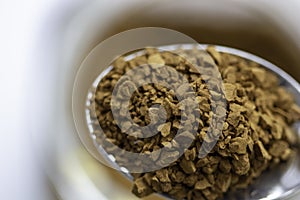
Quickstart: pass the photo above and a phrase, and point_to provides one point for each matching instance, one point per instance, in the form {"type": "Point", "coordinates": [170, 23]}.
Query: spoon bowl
{"type": "Point", "coordinates": [282, 182]}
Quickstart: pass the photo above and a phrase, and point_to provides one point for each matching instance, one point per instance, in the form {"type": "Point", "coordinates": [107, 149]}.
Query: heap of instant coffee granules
{"type": "Point", "coordinates": [256, 133]}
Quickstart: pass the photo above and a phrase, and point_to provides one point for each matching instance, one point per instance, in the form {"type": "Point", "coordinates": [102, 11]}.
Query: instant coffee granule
{"type": "Point", "coordinates": [256, 133]}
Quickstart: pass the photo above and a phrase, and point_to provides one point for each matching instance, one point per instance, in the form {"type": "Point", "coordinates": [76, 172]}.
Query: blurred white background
{"type": "Point", "coordinates": [21, 176]}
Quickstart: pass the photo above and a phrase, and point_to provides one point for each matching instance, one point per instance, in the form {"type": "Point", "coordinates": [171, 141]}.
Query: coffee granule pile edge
{"type": "Point", "coordinates": [255, 136]}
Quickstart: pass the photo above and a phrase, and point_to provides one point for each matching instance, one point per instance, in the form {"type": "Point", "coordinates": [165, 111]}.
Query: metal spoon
{"type": "Point", "coordinates": [281, 182]}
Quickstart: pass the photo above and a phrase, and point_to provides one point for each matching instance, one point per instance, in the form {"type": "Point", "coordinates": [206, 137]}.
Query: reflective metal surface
{"type": "Point", "coordinates": [281, 182]}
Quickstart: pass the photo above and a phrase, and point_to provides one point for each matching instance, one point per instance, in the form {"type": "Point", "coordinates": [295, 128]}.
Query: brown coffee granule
{"type": "Point", "coordinates": [256, 133]}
